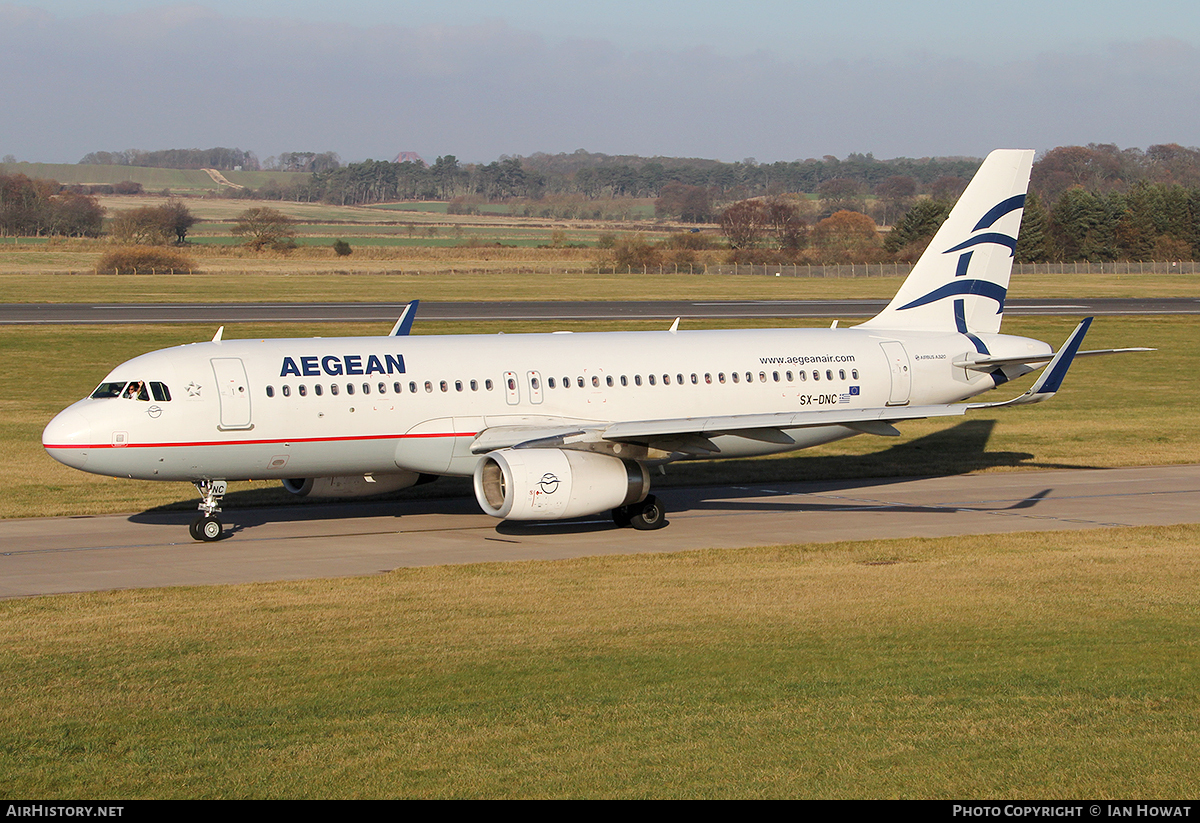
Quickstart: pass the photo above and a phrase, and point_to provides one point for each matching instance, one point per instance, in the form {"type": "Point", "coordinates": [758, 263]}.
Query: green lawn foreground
{"type": "Point", "coordinates": [284, 280]}
{"type": "Point", "coordinates": [1049, 665]}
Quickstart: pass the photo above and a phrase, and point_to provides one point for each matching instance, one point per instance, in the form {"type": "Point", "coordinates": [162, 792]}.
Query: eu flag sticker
{"type": "Point", "coordinates": [853, 391]}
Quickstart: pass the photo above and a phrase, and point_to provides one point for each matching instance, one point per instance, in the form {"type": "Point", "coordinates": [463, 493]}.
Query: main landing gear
{"type": "Point", "coordinates": [647, 515]}
{"type": "Point", "coordinates": [207, 526]}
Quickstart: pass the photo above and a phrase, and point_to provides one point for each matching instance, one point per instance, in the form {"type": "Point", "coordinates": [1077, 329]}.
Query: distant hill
{"type": "Point", "coordinates": [179, 181]}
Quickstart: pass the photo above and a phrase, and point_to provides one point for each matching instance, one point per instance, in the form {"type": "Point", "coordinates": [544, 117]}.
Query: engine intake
{"type": "Point", "coordinates": [554, 484]}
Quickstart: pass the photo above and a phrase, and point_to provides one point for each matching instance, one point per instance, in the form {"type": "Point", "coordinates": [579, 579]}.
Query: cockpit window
{"type": "Point", "coordinates": [136, 390]}
{"type": "Point", "coordinates": [107, 390]}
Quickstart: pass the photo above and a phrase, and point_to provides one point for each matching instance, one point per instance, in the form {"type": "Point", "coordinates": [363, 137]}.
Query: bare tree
{"type": "Point", "coordinates": [264, 227]}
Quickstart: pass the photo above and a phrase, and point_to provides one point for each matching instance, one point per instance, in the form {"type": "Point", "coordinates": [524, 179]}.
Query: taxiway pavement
{"type": "Point", "coordinates": [75, 554]}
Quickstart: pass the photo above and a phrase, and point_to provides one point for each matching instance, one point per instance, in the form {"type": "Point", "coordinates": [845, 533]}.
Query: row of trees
{"type": "Point", "coordinates": [1150, 222]}
{"type": "Point", "coordinates": [215, 158]}
{"type": "Point", "coordinates": [37, 207]}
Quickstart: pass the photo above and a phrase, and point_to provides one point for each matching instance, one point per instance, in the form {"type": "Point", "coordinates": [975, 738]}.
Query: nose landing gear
{"type": "Point", "coordinates": [207, 527]}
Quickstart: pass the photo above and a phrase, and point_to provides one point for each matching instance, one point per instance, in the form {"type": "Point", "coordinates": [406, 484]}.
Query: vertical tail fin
{"type": "Point", "coordinates": [961, 280]}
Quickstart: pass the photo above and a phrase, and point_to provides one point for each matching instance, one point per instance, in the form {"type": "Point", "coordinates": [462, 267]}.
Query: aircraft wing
{"type": "Point", "coordinates": [692, 434]}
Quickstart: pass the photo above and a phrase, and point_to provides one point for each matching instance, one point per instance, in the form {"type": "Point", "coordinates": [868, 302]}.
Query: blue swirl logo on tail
{"type": "Point", "coordinates": [980, 288]}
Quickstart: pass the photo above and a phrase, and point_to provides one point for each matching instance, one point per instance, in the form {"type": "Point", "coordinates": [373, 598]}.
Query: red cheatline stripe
{"type": "Point", "coordinates": [289, 440]}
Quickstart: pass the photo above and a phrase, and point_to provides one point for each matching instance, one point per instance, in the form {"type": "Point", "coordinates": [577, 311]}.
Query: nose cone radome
{"type": "Point", "coordinates": [67, 438]}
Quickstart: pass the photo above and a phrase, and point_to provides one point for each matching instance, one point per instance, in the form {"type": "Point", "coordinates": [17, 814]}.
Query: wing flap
{"type": "Point", "coordinates": [763, 424]}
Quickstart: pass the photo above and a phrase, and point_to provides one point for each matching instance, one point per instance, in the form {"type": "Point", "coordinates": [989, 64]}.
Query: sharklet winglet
{"type": "Point", "coordinates": [404, 322]}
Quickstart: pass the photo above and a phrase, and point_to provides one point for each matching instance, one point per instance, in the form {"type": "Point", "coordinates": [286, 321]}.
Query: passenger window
{"type": "Point", "coordinates": [412, 387]}
{"type": "Point", "coordinates": [397, 387]}
{"type": "Point", "coordinates": [734, 376]}
{"type": "Point", "coordinates": [666, 379]}
{"type": "Point", "coordinates": [443, 386]}
{"type": "Point", "coordinates": [841, 374]}
{"type": "Point", "coordinates": [287, 390]}
{"type": "Point", "coordinates": [595, 382]}
{"type": "Point", "coordinates": [637, 380]}
{"type": "Point", "coordinates": [475, 385]}
{"type": "Point", "coordinates": [349, 388]}
{"type": "Point", "coordinates": [319, 391]}
{"type": "Point", "coordinates": [816, 375]}
{"type": "Point", "coordinates": [458, 385]}
{"type": "Point", "coordinates": [487, 384]}
{"type": "Point", "coordinates": [366, 388]}
{"type": "Point", "coordinates": [829, 374]}
{"type": "Point", "coordinates": [382, 388]}
{"type": "Point", "coordinates": [854, 373]}
{"type": "Point", "coordinates": [303, 389]}
{"type": "Point", "coordinates": [721, 377]}
{"type": "Point", "coordinates": [549, 381]}
{"type": "Point", "coordinates": [579, 382]}
{"type": "Point", "coordinates": [624, 380]}
{"type": "Point", "coordinates": [333, 389]}
{"type": "Point", "coordinates": [270, 391]}
{"type": "Point", "coordinates": [428, 386]}
{"type": "Point", "coordinates": [651, 379]}
{"type": "Point", "coordinates": [609, 381]}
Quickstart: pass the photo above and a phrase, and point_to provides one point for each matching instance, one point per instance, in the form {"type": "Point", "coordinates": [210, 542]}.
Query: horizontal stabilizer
{"type": "Point", "coordinates": [1051, 379]}
{"type": "Point", "coordinates": [982, 362]}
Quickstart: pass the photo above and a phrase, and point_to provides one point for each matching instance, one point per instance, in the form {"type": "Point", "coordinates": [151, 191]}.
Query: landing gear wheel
{"type": "Point", "coordinates": [648, 515]}
{"type": "Point", "coordinates": [622, 516]}
{"type": "Point", "coordinates": [206, 528]}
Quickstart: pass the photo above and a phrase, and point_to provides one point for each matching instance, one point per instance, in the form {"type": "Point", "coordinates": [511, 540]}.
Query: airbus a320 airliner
{"type": "Point", "coordinates": [565, 425]}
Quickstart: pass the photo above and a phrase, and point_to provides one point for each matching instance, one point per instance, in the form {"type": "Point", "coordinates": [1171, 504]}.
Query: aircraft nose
{"type": "Point", "coordinates": [67, 438]}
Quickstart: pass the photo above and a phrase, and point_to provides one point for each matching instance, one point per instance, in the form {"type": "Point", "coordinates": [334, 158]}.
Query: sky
{"type": "Point", "coordinates": [760, 79]}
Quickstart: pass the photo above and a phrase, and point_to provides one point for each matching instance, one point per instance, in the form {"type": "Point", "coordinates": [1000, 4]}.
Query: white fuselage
{"type": "Point", "coordinates": [287, 408]}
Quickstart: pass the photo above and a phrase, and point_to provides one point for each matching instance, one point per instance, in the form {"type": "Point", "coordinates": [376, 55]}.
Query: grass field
{"type": "Point", "coordinates": [152, 179]}
{"type": "Point", "coordinates": [1041, 666]}
{"type": "Point", "coordinates": [475, 274]}
{"type": "Point", "coordinates": [1051, 665]}
{"type": "Point", "coordinates": [1127, 411]}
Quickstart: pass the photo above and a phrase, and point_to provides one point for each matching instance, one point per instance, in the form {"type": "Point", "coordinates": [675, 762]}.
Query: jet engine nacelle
{"type": "Point", "coordinates": [553, 484]}
{"type": "Point", "coordinates": [355, 485]}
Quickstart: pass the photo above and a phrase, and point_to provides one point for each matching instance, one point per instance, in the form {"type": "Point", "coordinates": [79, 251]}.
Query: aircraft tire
{"type": "Point", "coordinates": [648, 515]}
{"type": "Point", "coordinates": [207, 528]}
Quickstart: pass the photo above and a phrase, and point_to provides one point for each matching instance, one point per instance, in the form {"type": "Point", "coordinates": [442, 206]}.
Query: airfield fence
{"type": "Point", "coordinates": [737, 269]}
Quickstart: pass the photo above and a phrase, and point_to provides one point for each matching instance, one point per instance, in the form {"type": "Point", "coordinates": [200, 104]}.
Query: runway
{"type": "Point", "coordinates": [77, 554]}
{"type": "Point", "coordinates": [89, 313]}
